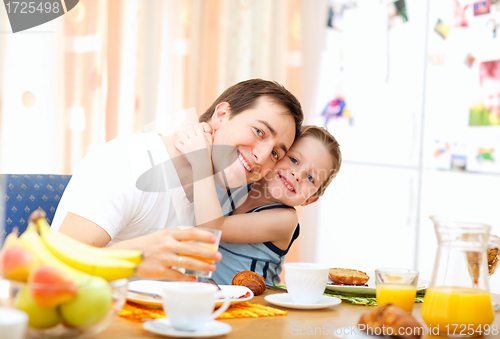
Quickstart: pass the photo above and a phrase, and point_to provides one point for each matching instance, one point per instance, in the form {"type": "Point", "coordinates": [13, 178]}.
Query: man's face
{"type": "Point", "coordinates": [490, 94]}
{"type": "Point", "coordinates": [259, 137]}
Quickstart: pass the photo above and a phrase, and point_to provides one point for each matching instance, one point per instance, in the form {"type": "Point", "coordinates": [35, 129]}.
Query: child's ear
{"type": "Point", "coordinates": [221, 110]}
{"type": "Point", "coordinates": [310, 200]}
{"type": "Point", "coordinates": [206, 128]}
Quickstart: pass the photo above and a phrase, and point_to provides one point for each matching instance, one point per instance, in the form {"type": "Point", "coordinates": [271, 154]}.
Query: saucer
{"type": "Point", "coordinates": [284, 300]}
{"type": "Point", "coordinates": [164, 327]}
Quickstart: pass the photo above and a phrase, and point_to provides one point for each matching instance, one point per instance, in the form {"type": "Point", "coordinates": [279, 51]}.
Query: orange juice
{"type": "Point", "coordinates": [397, 294]}
{"type": "Point", "coordinates": [209, 246]}
{"type": "Point", "coordinates": [453, 309]}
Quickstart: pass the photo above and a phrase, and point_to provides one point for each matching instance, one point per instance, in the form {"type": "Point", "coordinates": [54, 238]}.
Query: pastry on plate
{"type": "Point", "coordinates": [348, 276]}
{"type": "Point", "coordinates": [250, 279]}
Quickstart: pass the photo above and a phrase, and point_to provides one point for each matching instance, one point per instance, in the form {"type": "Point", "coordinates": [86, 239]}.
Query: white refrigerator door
{"type": "Point", "coordinates": [458, 196]}
{"type": "Point", "coordinates": [378, 71]}
{"type": "Point", "coordinates": [452, 87]}
{"type": "Point", "coordinates": [366, 219]}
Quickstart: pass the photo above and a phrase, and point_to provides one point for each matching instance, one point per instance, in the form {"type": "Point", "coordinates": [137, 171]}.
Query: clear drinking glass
{"type": "Point", "coordinates": [457, 302]}
{"type": "Point", "coordinates": [214, 247]}
{"type": "Point", "coordinates": [397, 286]}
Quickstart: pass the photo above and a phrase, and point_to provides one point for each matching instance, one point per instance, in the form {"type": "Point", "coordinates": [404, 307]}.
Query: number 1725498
{"type": "Point", "coordinates": [20, 7]}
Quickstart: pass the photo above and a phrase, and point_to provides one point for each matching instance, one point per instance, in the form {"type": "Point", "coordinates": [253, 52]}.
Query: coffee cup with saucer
{"type": "Point", "coordinates": [305, 283]}
{"type": "Point", "coordinates": [189, 307]}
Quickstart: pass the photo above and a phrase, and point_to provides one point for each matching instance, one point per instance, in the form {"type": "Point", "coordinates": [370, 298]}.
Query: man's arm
{"type": "Point", "coordinates": [160, 250]}
{"type": "Point", "coordinates": [84, 230]}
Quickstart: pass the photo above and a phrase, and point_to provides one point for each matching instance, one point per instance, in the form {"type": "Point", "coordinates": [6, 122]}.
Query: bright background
{"type": "Point", "coordinates": [111, 68]}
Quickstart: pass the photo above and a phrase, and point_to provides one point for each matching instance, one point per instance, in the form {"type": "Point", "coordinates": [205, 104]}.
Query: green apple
{"type": "Point", "coordinates": [90, 306]}
{"type": "Point", "coordinates": [39, 316]}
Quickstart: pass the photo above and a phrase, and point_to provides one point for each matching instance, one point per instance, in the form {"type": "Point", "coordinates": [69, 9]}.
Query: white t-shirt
{"type": "Point", "coordinates": [121, 187]}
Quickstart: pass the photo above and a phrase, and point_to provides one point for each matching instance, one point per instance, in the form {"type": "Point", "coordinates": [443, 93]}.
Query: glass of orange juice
{"type": "Point", "coordinates": [396, 286]}
{"type": "Point", "coordinates": [214, 247]}
{"type": "Point", "coordinates": [458, 311]}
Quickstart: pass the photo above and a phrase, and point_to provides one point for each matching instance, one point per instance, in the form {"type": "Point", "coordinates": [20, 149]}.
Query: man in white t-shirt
{"type": "Point", "coordinates": [130, 192]}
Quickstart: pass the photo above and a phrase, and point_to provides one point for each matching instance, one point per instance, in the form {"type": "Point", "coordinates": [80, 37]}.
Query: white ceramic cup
{"type": "Point", "coordinates": [305, 282]}
{"type": "Point", "coordinates": [190, 305]}
{"type": "Point", "coordinates": [13, 323]}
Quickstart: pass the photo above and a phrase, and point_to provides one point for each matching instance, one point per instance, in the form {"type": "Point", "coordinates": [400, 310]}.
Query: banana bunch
{"type": "Point", "coordinates": [101, 262]}
{"type": "Point", "coordinates": [67, 280]}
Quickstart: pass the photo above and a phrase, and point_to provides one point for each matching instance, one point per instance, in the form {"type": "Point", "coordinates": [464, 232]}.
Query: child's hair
{"type": "Point", "coordinates": [332, 147]}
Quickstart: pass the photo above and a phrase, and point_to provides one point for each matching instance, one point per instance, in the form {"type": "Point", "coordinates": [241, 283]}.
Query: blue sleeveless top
{"type": "Point", "coordinates": [265, 258]}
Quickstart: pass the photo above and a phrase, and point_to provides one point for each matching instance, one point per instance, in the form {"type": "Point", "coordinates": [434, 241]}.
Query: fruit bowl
{"type": "Point", "coordinates": [92, 309]}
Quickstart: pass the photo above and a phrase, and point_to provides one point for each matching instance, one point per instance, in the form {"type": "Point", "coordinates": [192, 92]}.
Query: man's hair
{"type": "Point", "coordinates": [332, 147]}
{"type": "Point", "coordinates": [244, 95]}
{"type": "Point", "coordinates": [489, 70]}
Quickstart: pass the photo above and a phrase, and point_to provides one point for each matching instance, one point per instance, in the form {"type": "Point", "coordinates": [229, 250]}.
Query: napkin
{"type": "Point", "coordinates": [243, 309]}
{"type": "Point", "coordinates": [362, 300]}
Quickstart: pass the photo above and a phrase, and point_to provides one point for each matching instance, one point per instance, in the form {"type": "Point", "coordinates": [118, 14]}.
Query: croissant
{"type": "Point", "coordinates": [250, 279]}
{"type": "Point", "coordinates": [390, 320]}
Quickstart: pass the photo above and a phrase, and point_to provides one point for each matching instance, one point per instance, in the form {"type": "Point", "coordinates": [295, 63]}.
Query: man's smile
{"type": "Point", "coordinates": [245, 163]}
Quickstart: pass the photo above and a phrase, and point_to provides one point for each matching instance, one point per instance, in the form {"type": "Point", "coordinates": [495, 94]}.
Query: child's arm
{"type": "Point", "coordinates": [276, 225]}
{"type": "Point", "coordinates": [195, 145]}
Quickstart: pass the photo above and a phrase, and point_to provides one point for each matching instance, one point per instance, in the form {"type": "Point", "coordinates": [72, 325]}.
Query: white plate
{"type": "Point", "coordinates": [284, 300]}
{"type": "Point", "coordinates": [164, 327]}
{"type": "Point", "coordinates": [153, 286]}
{"type": "Point", "coordinates": [370, 289]}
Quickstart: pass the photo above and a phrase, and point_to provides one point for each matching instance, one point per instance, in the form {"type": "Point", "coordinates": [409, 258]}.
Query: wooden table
{"type": "Point", "coordinates": [288, 326]}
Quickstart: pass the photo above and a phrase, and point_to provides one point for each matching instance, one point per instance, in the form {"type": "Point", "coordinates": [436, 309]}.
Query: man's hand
{"type": "Point", "coordinates": [161, 252]}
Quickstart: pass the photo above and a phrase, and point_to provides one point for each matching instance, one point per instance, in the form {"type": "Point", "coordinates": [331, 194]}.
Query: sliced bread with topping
{"type": "Point", "coordinates": [348, 276]}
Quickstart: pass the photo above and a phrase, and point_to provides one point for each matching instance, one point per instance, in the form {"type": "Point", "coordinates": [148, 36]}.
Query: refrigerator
{"type": "Point", "coordinates": [397, 94]}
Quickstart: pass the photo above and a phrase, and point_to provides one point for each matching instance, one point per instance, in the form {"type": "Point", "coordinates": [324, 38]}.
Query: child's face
{"type": "Point", "coordinates": [300, 173]}
{"type": "Point", "coordinates": [490, 94]}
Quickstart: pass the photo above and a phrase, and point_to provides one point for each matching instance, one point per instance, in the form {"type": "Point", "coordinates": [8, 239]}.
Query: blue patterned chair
{"type": "Point", "coordinates": [23, 193]}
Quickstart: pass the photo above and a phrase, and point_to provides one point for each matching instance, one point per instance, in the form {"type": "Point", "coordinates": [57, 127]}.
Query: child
{"type": "Point", "coordinates": [260, 241]}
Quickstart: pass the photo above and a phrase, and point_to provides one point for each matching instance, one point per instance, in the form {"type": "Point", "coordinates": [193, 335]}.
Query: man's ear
{"type": "Point", "coordinates": [310, 200]}
{"type": "Point", "coordinates": [221, 111]}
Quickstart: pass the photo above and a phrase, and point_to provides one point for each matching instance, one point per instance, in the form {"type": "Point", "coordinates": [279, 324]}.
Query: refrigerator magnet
{"type": "Point", "coordinates": [458, 162]}
{"type": "Point", "coordinates": [485, 111]}
{"type": "Point", "coordinates": [460, 14]}
{"type": "Point", "coordinates": [397, 13]}
{"type": "Point", "coordinates": [481, 7]}
{"type": "Point", "coordinates": [485, 155]}
{"type": "Point", "coordinates": [469, 60]}
{"type": "Point", "coordinates": [436, 59]}
{"type": "Point", "coordinates": [442, 29]}
{"type": "Point", "coordinates": [494, 27]}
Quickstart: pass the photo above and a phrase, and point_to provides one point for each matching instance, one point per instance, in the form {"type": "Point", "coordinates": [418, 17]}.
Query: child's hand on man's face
{"type": "Point", "coordinates": [192, 140]}
{"type": "Point", "coordinates": [207, 132]}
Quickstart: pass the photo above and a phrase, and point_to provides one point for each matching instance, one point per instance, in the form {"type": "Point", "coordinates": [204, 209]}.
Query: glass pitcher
{"type": "Point", "coordinates": [457, 302]}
